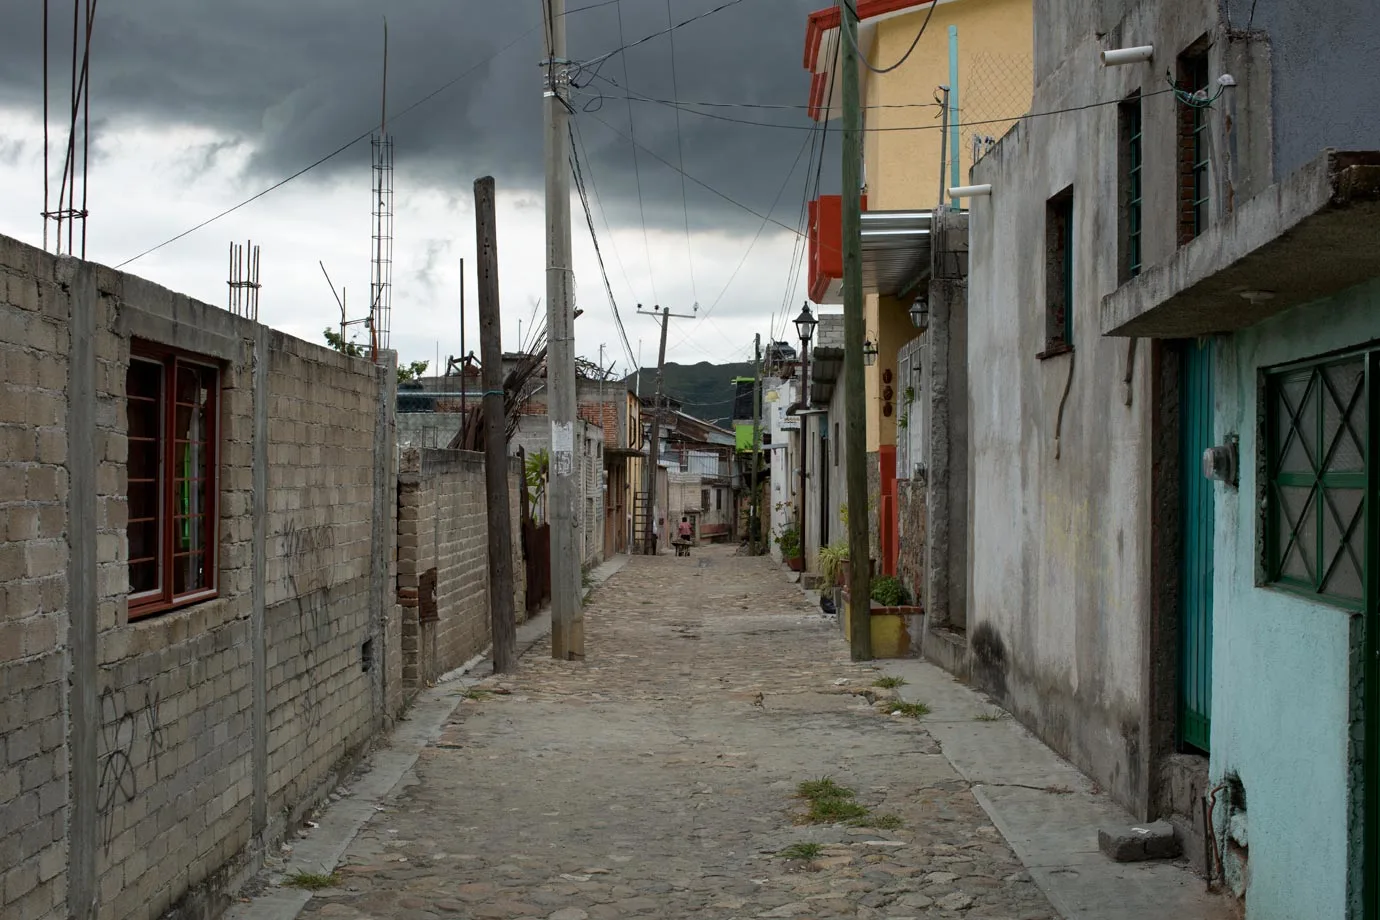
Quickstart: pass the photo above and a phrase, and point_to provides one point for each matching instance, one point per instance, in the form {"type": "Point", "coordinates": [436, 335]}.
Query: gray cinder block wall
{"type": "Point", "coordinates": [148, 764]}
{"type": "Point", "coordinates": [443, 560]}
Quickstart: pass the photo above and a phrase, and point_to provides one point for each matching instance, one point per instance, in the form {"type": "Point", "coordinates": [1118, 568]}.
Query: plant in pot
{"type": "Point", "coordinates": [845, 576]}
{"type": "Point", "coordinates": [789, 541]}
{"type": "Point", "coordinates": [833, 563]}
{"type": "Point", "coordinates": [889, 592]}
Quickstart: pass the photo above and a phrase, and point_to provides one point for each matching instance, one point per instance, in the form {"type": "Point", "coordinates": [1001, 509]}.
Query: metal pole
{"type": "Point", "coordinates": [649, 544]}
{"type": "Point", "coordinates": [567, 619]}
{"type": "Point", "coordinates": [859, 540]}
{"type": "Point", "coordinates": [943, 152]}
{"type": "Point", "coordinates": [804, 440]}
{"type": "Point", "coordinates": [464, 389]}
{"type": "Point", "coordinates": [755, 521]}
{"type": "Point", "coordinates": [501, 616]}
{"type": "Point", "coordinates": [955, 170]}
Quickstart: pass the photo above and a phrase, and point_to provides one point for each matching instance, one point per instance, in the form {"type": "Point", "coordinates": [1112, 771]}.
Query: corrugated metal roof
{"type": "Point", "coordinates": [895, 253]}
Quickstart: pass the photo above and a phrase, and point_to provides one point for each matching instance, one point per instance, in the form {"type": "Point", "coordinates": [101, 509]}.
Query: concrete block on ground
{"type": "Point", "coordinates": [1138, 842]}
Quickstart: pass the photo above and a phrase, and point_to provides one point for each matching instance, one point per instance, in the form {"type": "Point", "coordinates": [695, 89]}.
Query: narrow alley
{"type": "Point", "coordinates": [659, 778]}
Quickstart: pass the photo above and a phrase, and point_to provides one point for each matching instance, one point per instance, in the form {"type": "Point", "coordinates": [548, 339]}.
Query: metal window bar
{"type": "Point", "coordinates": [1198, 80]}
{"type": "Point", "coordinates": [1134, 178]}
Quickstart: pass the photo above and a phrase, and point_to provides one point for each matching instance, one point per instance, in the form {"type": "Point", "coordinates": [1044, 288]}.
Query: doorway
{"type": "Point", "coordinates": [1197, 533]}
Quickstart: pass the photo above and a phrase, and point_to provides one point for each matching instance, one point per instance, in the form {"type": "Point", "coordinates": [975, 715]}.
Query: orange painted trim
{"type": "Point", "coordinates": [889, 521]}
{"type": "Point", "coordinates": [826, 20]}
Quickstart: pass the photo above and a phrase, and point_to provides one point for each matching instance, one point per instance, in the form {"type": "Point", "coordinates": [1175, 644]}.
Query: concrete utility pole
{"type": "Point", "coordinates": [755, 521]}
{"type": "Point", "coordinates": [649, 546]}
{"type": "Point", "coordinates": [664, 317]}
{"type": "Point", "coordinates": [464, 389]}
{"type": "Point", "coordinates": [501, 617]}
{"type": "Point", "coordinates": [855, 437]}
{"type": "Point", "coordinates": [567, 618]}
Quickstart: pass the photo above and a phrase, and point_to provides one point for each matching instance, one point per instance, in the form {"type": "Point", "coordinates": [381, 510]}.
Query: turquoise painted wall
{"type": "Point", "coordinates": [1280, 662]}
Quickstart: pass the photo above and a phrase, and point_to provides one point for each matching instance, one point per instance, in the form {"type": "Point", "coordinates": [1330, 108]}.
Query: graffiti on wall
{"type": "Point", "coordinates": [307, 553]}
{"type": "Point", "coordinates": [131, 735]}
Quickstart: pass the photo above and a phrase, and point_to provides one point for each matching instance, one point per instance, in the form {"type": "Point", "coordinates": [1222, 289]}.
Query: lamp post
{"type": "Point", "coordinates": [805, 327]}
{"type": "Point", "coordinates": [869, 353]}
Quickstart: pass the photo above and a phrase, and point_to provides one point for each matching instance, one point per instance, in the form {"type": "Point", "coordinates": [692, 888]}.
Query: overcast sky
{"type": "Point", "coordinates": [195, 107]}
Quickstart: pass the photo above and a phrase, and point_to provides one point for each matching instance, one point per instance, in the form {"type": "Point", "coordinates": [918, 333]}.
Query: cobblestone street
{"type": "Point", "coordinates": [659, 778]}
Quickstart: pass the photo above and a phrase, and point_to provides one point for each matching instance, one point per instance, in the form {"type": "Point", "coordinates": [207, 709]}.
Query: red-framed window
{"type": "Point", "coordinates": [173, 408]}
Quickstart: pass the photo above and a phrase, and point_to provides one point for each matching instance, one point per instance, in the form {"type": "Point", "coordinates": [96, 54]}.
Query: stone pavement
{"type": "Point", "coordinates": [658, 778]}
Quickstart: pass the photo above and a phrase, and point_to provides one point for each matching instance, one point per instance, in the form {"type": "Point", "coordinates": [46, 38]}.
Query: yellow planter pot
{"type": "Point", "coordinates": [897, 632]}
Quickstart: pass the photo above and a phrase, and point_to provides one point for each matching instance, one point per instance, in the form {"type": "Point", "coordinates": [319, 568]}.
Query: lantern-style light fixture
{"type": "Point", "coordinates": [920, 313]}
{"type": "Point", "coordinates": [805, 324]}
{"type": "Point", "coordinates": [869, 353]}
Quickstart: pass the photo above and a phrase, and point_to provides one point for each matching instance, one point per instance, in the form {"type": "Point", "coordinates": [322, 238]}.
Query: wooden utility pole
{"type": "Point", "coordinates": [664, 317]}
{"type": "Point", "coordinates": [567, 618]}
{"type": "Point", "coordinates": [464, 389]}
{"type": "Point", "coordinates": [502, 620]}
{"type": "Point", "coordinates": [855, 438]}
{"type": "Point", "coordinates": [755, 522]}
{"type": "Point", "coordinates": [649, 546]}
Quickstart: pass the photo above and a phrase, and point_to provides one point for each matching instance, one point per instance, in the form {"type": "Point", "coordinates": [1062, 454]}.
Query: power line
{"type": "Point", "coordinates": [637, 170]}
{"type": "Point", "coordinates": [594, 184]}
{"type": "Point", "coordinates": [852, 40]}
{"type": "Point", "coordinates": [646, 38]}
{"type": "Point", "coordinates": [758, 235]}
{"type": "Point", "coordinates": [680, 158]}
{"type": "Point", "coordinates": [334, 153]}
{"type": "Point", "coordinates": [594, 237]}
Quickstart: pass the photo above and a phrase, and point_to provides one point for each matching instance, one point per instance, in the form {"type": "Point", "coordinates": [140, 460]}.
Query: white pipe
{"type": "Point", "coordinates": [1137, 55]}
{"type": "Point", "coordinates": [970, 191]}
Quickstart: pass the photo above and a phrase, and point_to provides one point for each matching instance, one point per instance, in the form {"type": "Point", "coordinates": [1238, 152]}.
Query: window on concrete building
{"type": "Point", "coordinates": [1131, 168]}
{"type": "Point", "coordinates": [173, 407]}
{"type": "Point", "coordinates": [704, 499]}
{"type": "Point", "coordinates": [718, 499]}
{"type": "Point", "coordinates": [1319, 444]}
{"type": "Point", "coordinates": [1059, 274]}
{"type": "Point", "coordinates": [836, 444]}
{"type": "Point", "coordinates": [1194, 144]}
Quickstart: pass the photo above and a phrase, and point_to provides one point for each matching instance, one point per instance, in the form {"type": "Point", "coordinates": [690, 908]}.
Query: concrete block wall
{"type": "Point", "coordinates": [33, 589]}
{"type": "Point", "coordinates": [443, 525]}
{"type": "Point", "coordinates": [147, 765]}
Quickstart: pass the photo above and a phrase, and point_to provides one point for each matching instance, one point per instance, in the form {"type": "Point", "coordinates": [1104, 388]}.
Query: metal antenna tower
{"type": "Point", "coordinates": [244, 280]}
{"type": "Point", "coordinates": [381, 277]}
{"type": "Point", "coordinates": [67, 211]}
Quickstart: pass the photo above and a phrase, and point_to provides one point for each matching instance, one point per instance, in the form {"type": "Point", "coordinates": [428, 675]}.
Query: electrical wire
{"type": "Point", "coordinates": [334, 153]}
{"type": "Point", "coordinates": [757, 236]}
{"type": "Point", "coordinates": [852, 40]}
{"type": "Point", "coordinates": [680, 158]}
{"type": "Point", "coordinates": [637, 170]}
{"type": "Point", "coordinates": [599, 202]}
{"type": "Point", "coordinates": [646, 38]}
{"type": "Point", "coordinates": [594, 238]}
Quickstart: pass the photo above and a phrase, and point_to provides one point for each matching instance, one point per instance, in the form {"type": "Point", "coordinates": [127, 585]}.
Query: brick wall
{"type": "Point", "coordinates": [443, 530]}
{"type": "Point", "coordinates": [145, 764]}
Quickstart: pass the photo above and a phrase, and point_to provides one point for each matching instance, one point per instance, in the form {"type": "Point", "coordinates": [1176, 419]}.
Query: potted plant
{"type": "Point", "coordinates": [789, 541]}
{"type": "Point", "coordinates": [844, 577]}
{"type": "Point", "coordinates": [833, 562]}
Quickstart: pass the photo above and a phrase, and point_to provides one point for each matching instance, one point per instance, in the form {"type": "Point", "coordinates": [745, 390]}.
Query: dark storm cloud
{"type": "Point", "coordinates": [297, 79]}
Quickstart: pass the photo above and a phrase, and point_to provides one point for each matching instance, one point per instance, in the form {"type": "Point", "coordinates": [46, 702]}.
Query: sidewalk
{"type": "Point", "coordinates": [1047, 810]}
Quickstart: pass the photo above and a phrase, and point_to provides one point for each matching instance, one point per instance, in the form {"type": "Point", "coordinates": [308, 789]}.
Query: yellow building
{"type": "Point", "coordinates": [965, 76]}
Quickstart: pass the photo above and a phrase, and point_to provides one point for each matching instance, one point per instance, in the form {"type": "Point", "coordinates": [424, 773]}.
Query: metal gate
{"type": "Point", "coordinates": [536, 545]}
{"type": "Point", "coordinates": [1196, 516]}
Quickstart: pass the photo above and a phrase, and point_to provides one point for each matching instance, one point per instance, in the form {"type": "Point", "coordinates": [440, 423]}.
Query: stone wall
{"type": "Point", "coordinates": [443, 561]}
{"type": "Point", "coordinates": [148, 763]}
{"type": "Point", "coordinates": [911, 499]}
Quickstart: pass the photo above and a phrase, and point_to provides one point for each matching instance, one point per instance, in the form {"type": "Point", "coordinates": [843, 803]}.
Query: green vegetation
{"type": "Point", "coordinates": [988, 717]}
{"type": "Point", "coordinates": [832, 561]}
{"type": "Point", "coordinates": [311, 881]}
{"type": "Point", "coordinates": [789, 541]}
{"type": "Point", "coordinates": [829, 802]}
{"type": "Point", "coordinates": [888, 591]}
{"type": "Point", "coordinates": [707, 390]}
{"type": "Point", "coordinates": [802, 851]}
{"type": "Point", "coordinates": [911, 710]}
{"type": "Point", "coordinates": [885, 822]}
{"type": "Point", "coordinates": [889, 683]}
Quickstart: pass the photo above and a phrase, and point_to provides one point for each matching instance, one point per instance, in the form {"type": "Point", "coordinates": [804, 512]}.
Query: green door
{"type": "Point", "coordinates": [1195, 559]}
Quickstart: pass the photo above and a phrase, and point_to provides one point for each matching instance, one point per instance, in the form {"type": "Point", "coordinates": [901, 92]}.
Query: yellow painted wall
{"type": "Point", "coordinates": [995, 80]}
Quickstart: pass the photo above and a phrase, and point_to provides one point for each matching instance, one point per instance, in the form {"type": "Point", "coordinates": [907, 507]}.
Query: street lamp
{"type": "Point", "coordinates": [920, 313]}
{"type": "Point", "coordinates": [869, 353]}
{"type": "Point", "coordinates": [805, 325]}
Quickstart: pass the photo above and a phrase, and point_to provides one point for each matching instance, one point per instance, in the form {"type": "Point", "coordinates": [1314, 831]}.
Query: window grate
{"type": "Point", "coordinates": [1319, 445]}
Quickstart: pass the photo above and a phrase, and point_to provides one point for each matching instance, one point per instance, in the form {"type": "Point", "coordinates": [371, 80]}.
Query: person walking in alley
{"type": "Point", "coordinates": [684, 531]}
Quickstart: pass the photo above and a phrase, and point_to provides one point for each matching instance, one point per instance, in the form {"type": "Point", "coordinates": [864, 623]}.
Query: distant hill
{"type": "Point", "coordinates": [705, 390]}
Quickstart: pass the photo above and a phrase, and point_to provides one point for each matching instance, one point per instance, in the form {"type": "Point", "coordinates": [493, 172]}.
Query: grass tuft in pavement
{"type": "Point", "coordinates": [822, 788]}
{"type": "Point", "coordinates": [883, 822]}
{"type": "Point", "coordinates": [889, 683]}
{"type": "Point", "coordinates": [802, 851]}
{"type": "Point", "coordinates": [911, 710]}
{"type": "Point", "coordinates": [312, 881]}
